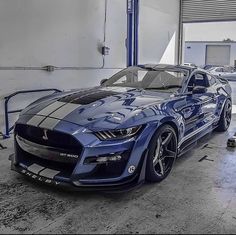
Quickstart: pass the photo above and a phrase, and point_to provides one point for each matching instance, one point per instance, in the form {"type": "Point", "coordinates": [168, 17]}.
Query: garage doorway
{"type": "Point", "coordinates": [218, 54]}
{"type": "Point", "coordinates": [203, 25]}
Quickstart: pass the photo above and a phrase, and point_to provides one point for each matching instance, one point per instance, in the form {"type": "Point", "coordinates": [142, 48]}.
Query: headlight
{"type": "Point", "coordinates": [118, 134]}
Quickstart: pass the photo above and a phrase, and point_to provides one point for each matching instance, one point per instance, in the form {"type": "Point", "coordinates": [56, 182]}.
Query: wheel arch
{"type": "Point", "coordinates": [174, 126]}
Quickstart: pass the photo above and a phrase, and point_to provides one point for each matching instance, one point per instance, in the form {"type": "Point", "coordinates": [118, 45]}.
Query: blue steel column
{"type": "Point", "coordinates": [132, 32]}
{"type": "Point", "coordinates": [136, 31]}
{"type": "Point", "coordinates": [129, 41]}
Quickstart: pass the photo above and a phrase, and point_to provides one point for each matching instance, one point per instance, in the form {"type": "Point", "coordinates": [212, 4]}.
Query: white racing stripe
{"type": "Point", "coordinates": [35, 168]}
{"type": "Point", "coordinates": [35, 120]}
{"type": "Point", "coordinates": [49, 173]}
{"type": "Point", "coordinates": [49, 123]}
{"type": "Point", "coordinates": [196, 132]}
{"type": "Point", "coordinates": [55, 112]}
{"type": "Point", "coordinates": [50, 108]}
{"type": "Point", "coordinates": [38, 118]}
{"type": "Point", "coordinates": [64, 111]}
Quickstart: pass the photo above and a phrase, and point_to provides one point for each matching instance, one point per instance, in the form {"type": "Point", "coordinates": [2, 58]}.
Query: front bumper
{"type": "Point", "coordinates": [125, 186]}
{"type": "Point", "coordinates": [81, 176]}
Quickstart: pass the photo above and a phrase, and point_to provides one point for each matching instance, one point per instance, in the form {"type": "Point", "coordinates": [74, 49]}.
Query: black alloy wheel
{"type": "Point", "coordinates": [162, 154]}
{"type": "Point", "coordinates": [225, 117]}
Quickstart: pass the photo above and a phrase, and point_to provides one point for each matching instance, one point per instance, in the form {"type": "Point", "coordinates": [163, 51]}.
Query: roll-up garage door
{"type": "Point", "coordinates": [218, 54]}
{"type": "Point", "coordinates": [208, 10]}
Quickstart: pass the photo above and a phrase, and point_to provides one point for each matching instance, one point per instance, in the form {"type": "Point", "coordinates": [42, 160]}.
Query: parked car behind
{"type": "Point", "coordinates": [209, 66]}
{"type": "Point", "coordinates": [190, 64]}
{"type": "Point", "coordinates": [227, 72]}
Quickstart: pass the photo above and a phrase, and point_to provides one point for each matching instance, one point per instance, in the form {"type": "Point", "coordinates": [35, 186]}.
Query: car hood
{"type": "Point", "coordinates": [97, 108]}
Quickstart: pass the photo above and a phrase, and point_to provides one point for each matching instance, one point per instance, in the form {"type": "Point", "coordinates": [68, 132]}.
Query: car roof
{"type": "Point", "coordinates": [168, 66]}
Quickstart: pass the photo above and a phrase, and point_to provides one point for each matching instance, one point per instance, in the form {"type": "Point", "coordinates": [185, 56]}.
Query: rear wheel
{"type": "Point", "coordinates": [162, 154]}
{"type": "Point", "coordinates": [225, 117]}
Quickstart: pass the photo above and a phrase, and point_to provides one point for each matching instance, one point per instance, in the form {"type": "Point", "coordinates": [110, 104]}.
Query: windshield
{"type": "Point", "coordinates": [166, 80]}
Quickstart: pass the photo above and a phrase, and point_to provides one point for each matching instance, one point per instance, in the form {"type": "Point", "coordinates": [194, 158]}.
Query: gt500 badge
{"type": "Point", "coordinates": [69, 155]}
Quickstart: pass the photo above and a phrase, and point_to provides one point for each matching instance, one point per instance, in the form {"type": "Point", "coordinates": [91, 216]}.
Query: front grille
{"type": "Point", "coordinates": [55, 139]}
{"type": "Point", "coordinates": [27, 159]}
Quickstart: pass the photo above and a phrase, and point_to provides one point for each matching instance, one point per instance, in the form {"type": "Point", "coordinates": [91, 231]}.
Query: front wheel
{"type": "Point", "coordinates": [162, 154]}
{"type": "Point", "coordinates": [225, 117]}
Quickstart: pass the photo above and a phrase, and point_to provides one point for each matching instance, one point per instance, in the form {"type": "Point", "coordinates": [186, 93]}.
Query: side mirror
{"type": "Point", "coordinates": [103, 81]}
{"type": "Point", "coordinates": [199, 90]}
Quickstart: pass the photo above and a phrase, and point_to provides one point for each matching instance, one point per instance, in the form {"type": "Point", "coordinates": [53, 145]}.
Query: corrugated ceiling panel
{"type": "Point", "coordinates": [208, 10]}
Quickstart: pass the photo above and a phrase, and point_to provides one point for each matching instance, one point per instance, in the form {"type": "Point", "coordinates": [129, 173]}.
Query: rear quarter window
{"type": "Point", "coordinates": [212, 80]}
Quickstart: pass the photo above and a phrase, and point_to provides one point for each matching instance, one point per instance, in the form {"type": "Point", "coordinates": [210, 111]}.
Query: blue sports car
{"type": "Point", "coordinates": [128, 130]}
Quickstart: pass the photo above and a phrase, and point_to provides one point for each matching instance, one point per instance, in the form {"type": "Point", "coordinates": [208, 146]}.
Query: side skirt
{"type": "Point", "coordinates": [191, 142]}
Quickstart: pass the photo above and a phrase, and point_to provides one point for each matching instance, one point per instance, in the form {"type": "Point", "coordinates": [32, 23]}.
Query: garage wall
{"type": "Point", "coordinates": [70, 33]}
{"type": "Point", "coordinates": [195, 52]}
{"type": "Point", "coordinates": [60, 33]}
{"type": "Point", "coordinates": [159, 21]}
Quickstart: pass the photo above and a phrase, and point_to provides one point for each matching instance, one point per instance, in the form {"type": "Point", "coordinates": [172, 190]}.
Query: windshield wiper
{"type": "Point", "coordinates": [163, 88]}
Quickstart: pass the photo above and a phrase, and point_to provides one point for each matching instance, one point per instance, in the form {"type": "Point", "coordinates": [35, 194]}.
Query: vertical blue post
{"type": "Point", "coordinates": [7, 131]}
{"type": "Point", "coordinates": [130, 30]}
{"type": "Point", "coordinates": [136, 32]}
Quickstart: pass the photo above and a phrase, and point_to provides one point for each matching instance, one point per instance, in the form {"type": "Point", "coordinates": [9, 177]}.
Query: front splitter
{"type": "Point", "coordinates": [125, 186]}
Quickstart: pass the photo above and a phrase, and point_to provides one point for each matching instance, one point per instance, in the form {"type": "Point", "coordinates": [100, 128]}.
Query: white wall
{"type": "Point", "coordinates": [69, 33]}
{"type": "Point", "coordinates": [210, 31]}
{"type": "Point", "coordinates": [197, 52]}
{"type": "Point", "coordinates": [59, 33]}
{"type": "Point", "coordinates": [159, 21]}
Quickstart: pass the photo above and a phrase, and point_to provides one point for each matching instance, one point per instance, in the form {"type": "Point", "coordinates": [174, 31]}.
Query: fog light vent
{"type": "Point", "coordinates": [103, 159]}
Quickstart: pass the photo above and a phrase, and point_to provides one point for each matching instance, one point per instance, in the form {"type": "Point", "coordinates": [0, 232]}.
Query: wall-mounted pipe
{"type": "Point", "coordinates": [51, 68]}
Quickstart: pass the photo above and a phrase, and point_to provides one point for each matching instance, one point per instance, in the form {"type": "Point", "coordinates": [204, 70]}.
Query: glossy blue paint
{"type": "Point", "coordinates": [192, 115]}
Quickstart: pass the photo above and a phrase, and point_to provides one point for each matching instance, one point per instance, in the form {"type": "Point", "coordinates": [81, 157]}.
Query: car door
{"type": "Point", "coordinates": [199, 110]}
{"type": "Point", "coordinates": [213, 89]}
{"type": "Point", "coordinates": [190, 108]}
{"type": "Point", "coordinates": [207, 101]}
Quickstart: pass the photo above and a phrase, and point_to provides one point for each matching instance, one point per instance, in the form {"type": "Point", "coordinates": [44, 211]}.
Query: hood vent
{"type": "Point", "coordinates": [87, 97]}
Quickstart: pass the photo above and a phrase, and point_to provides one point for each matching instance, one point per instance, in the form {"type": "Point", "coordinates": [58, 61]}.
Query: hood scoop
{"type": "Point", "coordinates": [87, 97]}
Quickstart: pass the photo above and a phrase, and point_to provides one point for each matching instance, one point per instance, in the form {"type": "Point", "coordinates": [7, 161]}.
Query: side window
{"type": "Point", "coordinates": [199, 79]}
{"type": "Point", "coordinates": [220, 70]}
{"type": "Point", "coordinates": [211, 80]}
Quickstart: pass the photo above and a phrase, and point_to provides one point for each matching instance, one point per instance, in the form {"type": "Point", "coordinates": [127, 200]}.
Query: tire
{"type": "Point", "coordinates": [225, 117]}
{"type": "Point", "coordinates": [162, 154]}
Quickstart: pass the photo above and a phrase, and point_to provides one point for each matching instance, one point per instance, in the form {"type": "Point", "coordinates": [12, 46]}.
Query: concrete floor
{"type": "Point", "coordinates": [198, 197]}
